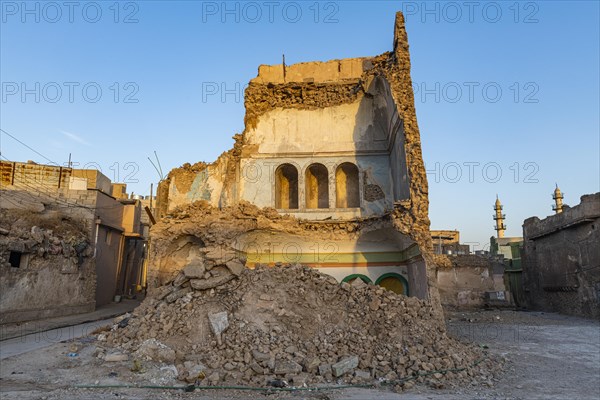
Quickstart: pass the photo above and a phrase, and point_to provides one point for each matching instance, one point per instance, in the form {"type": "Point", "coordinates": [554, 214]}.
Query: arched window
{"type": "Point", "coordinates": [394, 282]}
{"type": "Point", "coordinates": [346, 186]}
{"type": "Point", "coordinates": [286, 187]}
{"type": "Point", "coordinates": [317, 186]}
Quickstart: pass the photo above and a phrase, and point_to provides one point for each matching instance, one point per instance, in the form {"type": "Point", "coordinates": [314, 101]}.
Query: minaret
{"type": "Point", "coordinates": [558, 200]}
{"type": "Point", "coordinates": [499, 218]}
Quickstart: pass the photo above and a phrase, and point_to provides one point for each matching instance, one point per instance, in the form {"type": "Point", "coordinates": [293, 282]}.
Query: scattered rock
{"type": "Point", "coordinates": [311, 364]}
{"type": "Point", "coordinates": [258, 356]}
{"type": "Point", "coordinates": [345, 365]}
{"type": "Point", "coordinates": [152, 349]}
{"type": "Point", "coordinates": [236, 267]}
{"type": "Point", "coordinates": [195, 372]}
{"type": "Point", "coordinates": [177, 294]}
{"type": "Point", "coordinates": [219, 276]}
{"type": "Point", "coordinates": [218, 324]}
{"type": "Point", "coordinates": [375, 304]}
{"type": "Point", "coordinates": [257, 368]}
{"type": "Point", "coordinates": [325, 369]}
{"type": "Point", "coordinates": [194, 270]}
{"type": "Point", "coordinates": [180, 279]}
{"type": "Point", "coordinates": [214, 378]}
{"type": "Point", "coordinates": [287, 367]}
{"type": "Point", "coordinates": [362, 375]}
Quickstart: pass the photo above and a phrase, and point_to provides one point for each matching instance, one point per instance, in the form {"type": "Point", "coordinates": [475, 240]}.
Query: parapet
{"type": "Point", "coordinates": [317, 72]}
{"type": "Point", "coordinates": [586, 211]}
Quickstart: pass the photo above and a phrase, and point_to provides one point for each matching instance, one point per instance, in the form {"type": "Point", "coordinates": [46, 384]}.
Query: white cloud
{"type": "Point", "coordinates": [76, 138]}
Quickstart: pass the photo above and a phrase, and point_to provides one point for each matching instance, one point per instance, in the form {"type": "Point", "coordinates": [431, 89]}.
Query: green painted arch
{"type": "Point", "coordinates": [364, 278]}
{"type": "Point", "coordinates": [398, 276]}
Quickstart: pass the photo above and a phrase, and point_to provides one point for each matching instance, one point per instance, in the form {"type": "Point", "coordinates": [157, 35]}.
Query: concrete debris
{"type": "Point", "coordinates": [192, 372]}
{"type": "Point", "coordinates": [214, 378]}
{"type": "Point", "coordinates": [218, 276]}
{"type": "Point", "coordinates": [194, 270]}
{"type": "Point", "coordinates": [177, 294]}
{"type": "Point", "coordinates": [153, 350]}
{"type": "Point", "coordinates": [218, 324]}
{"type": "Point", "coordinates": [235, 266]}
{"type": "Point", "coordinates": [347, 364]}
{"type": "Point", "coordinates": [325, 370]}
{"type": "Point", "coordinates": [180, 279]}
{"type": "Point", "coordinates": [294, 324]}
{"type": "Point", "coordinates": [287, 367]}
{"type": "Point", "coordinates": [362, 375]}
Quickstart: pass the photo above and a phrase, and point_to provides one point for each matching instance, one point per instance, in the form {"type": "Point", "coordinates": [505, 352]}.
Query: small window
{"type": "Point", "coordinates": [108, 237]}
{"type": "Point", "coordinates": [17, 259]}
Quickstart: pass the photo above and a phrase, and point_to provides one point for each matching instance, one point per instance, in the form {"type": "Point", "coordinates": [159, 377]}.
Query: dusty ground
{"type": "Point", "coordinates": [551, 357]}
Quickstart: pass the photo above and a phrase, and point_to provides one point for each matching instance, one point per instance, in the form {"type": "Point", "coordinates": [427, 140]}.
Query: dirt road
{"type": "Point", "coordinates": [39, 340]}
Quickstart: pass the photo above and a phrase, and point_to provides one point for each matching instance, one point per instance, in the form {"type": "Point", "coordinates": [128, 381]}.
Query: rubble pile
{"type": "Point", "coordinates": [200, 234]}
{"type": "Point", "coordinates": [289, 325]}
{"type": "Point", "coordinates": [43, 236]}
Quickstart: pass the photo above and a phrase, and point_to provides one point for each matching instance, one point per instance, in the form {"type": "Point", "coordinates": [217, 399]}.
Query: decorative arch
{"type": "Point", "coordinates": [394, 282]}
{"type": "Point", "coordinates": [286, 187]}
{"type": "Point", "coordinates": [352, 277]}
{"type": "Point", "coordinates": [317, 186]}
{"type": "Point", "coordinates": [347, 193]}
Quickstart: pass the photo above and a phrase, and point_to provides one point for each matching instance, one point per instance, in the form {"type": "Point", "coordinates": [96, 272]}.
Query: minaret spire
{"type": "Point", "coordinates": [499, 218]}
{"type": "Point", "coordinates": [558, 200]}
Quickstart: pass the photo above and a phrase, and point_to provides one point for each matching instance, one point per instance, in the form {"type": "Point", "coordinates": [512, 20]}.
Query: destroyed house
{"type": "Point", "coordinates": [335, 145]}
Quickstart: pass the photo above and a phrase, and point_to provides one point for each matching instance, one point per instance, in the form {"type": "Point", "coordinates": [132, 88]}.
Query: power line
{"type": "Point", "coordinates": [57, 200]}
{"type": "Point", "coordinates": [37, 189]}
{"type": "Point", "coordinates": [29, 147]}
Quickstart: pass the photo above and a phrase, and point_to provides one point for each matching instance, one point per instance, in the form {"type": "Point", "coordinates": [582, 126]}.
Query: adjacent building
{"type": "Point", "coordinates": [448, 242]}
{"type": "Point", "coordinates": [70, 240]}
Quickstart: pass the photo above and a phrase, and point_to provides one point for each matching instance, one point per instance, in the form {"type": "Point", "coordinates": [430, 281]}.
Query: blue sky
{"type": "Point", "coordinates": [509, 88]}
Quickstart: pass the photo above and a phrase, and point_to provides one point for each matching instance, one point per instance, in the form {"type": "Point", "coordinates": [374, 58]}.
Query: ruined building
{"type": "Point", "coordinates": [471, 281]}
{"type": "Point", "coordinates": [561, 260]}
{"type": "Point", "coordinates": [333, 148]}
{"type": "Point", "coordinates": [67, 244]}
